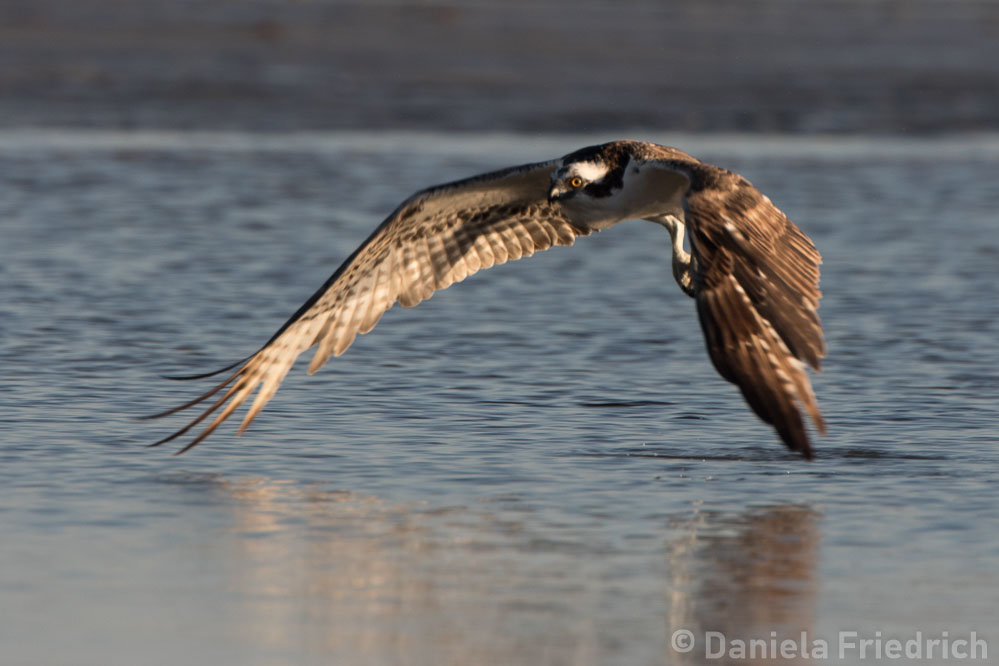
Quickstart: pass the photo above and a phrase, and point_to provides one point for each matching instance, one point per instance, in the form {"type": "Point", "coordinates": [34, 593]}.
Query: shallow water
{"type": "Point", "coordinates": [537, 466]}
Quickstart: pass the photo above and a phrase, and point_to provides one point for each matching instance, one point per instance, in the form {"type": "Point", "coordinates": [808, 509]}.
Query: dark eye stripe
{"type": "Point", "coordinates": [614, 180]}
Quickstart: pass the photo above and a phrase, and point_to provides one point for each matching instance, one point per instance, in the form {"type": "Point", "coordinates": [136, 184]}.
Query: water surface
{"type": "Point", "coordinates": [537, 466]}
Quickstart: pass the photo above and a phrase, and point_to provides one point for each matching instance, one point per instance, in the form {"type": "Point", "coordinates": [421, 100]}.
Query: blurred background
{"type": "Point", "coordinates": [881, 66]}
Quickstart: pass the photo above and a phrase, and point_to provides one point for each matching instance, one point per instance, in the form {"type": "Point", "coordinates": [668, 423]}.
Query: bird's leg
{"type": "Point", "coordinates": [682, 262]}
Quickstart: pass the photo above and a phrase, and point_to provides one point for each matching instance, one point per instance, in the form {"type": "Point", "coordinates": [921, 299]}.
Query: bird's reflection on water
{"type": "Point", "coordinates": [362, 580]}
{"type": "Point", "coordinates": [745, 577]}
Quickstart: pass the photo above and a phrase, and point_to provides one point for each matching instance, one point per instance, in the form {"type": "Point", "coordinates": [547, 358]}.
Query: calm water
{"type": "Point", "coordinates": [536, 467]}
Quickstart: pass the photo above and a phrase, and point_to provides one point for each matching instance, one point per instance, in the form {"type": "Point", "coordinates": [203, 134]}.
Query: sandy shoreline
{"type": "Point", "coordinates": [919, 66]}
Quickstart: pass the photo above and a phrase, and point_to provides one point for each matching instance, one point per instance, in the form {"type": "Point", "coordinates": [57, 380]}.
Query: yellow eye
{"type": "Point", "coordinates": [575, 182]}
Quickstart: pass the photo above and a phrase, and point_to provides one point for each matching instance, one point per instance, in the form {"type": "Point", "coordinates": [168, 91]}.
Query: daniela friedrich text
{"type": "Point", "coordinates": [846, 645]}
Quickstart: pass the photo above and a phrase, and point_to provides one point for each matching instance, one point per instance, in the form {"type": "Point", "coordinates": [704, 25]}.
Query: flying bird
{"type": "Point", "coordinates": [752, 273]}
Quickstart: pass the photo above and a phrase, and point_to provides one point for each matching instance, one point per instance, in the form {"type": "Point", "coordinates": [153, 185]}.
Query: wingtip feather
{"type": "Point", "coordinates": [204, 375]}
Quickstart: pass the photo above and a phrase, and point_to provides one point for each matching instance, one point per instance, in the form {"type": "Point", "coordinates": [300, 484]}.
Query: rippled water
{"type": "Point", "coordinates": [539, 466]}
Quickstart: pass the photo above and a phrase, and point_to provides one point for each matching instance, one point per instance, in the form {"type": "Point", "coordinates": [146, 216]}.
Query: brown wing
{"type": "Point", "coordinates": [756, 283]}
{"type": "Point", "coordinates": [435, 238]}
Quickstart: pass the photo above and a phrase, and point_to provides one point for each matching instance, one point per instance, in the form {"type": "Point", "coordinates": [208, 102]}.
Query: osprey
{"type": "Point", "coordinates": [752, 273]}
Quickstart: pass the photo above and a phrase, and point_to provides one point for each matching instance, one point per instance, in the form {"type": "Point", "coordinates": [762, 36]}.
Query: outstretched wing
{"type": "Point", "coordinates": [756, 283]}
{"type": "Point", "coordinates": [435, 238]}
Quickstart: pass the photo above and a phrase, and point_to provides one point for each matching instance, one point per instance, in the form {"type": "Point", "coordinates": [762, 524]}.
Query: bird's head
{"type": "Point", "coordinates": [589, 182]}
